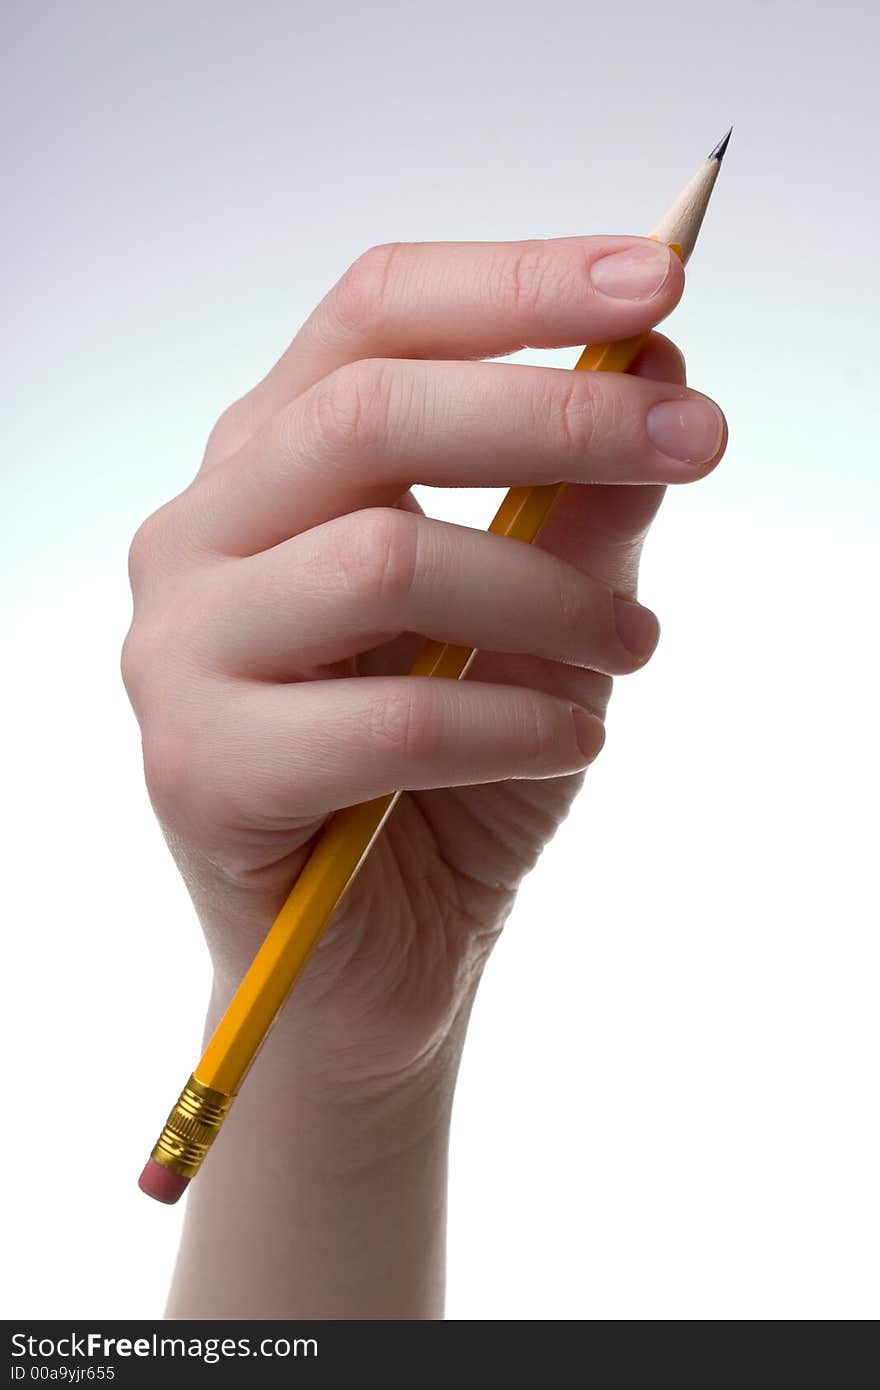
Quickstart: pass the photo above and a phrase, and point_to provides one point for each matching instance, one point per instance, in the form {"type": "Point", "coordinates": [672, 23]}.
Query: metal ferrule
{"type": "Point", "coordinates": [191, 1128]}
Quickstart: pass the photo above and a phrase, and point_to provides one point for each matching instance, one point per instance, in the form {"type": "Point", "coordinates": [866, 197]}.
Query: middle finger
{"type": "Point", "coordinates": [364, 434]}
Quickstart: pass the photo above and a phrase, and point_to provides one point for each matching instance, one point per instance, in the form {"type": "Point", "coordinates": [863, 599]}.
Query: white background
{"type": "Point", "coordinates": [667, 1107]}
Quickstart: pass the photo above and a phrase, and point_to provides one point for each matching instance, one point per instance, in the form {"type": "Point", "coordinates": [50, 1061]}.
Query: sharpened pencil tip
{"type": "Point", "coordinates": [718, 152]}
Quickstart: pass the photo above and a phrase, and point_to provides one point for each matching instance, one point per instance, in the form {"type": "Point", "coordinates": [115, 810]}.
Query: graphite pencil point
{"type": "Point", "coordinates": [718, 152]}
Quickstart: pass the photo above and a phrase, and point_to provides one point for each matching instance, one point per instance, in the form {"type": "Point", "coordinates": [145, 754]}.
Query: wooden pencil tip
{"type": "Point", "coordinates": [718, 152]}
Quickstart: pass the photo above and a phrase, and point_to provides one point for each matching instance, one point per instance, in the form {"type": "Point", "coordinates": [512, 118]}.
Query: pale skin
{"type": "Point", "coordinates": [278, 601]}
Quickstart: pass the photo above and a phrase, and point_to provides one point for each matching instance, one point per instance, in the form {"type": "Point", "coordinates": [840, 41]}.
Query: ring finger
{"type": "Point", "coordinates": [359, 580]}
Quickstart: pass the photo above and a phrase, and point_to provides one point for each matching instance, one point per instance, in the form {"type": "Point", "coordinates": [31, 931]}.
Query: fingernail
{"type": "Point", "coordinates": [635, 274]}
{"type": "Point", "coordinates": [589, 732]}
{"type": "Point", "coordinates": [637, 627]}
{"type": "Point", "coordinates": [690, 431]}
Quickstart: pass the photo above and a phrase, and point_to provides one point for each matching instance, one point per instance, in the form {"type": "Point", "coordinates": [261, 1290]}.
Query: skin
{"type": "Point", "coordinates": [276, 603]}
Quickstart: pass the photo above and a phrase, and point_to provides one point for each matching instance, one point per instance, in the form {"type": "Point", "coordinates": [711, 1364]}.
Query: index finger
{"type": "Point", "coordinates": [469, 300]}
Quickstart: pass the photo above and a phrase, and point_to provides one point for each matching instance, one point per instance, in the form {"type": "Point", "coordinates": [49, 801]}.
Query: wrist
{"type": "Point", "coordinates": [332, 1198]}
{"type": "Point", "coordinates": [347, 1107]}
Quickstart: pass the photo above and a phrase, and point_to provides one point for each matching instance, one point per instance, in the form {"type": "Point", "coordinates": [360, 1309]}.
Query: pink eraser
{"type": "Point", "coordinates": [163, 1184]}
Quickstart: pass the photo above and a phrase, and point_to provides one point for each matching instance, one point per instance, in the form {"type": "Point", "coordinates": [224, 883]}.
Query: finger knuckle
{"type": "Point", "coordinates": [169, 772]}
{"type": "Point", "coordinates": [406, 720]}
{"type": "Point", "coordinates": [379, 557]}
{"type": "Point", "coordinates": [352, 405]}
{"type": "Point", "coordinates": [576, 415]}
{"type": "Point", "coordinates": [148, 546]}
{"type": "Point", "coordinates": [520, 275]}
{"type": "Point", "coordinates": [543, 736]}
{"type": "Point", "coordinates": [134, 662]}
{"type": "Point", "coordinates": [361, 292]}
{"type": "Point", "coordinates": [190, 788]}
{"type": "Point", "coordinates": [232, 429]}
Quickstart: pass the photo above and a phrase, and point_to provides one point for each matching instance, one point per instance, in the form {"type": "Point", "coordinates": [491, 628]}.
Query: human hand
{"type": "Point", "coordinates": [280, 598]}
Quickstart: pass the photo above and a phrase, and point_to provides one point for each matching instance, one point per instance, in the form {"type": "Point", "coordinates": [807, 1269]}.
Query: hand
{"type": "Point", "coordinates": [278, 598]}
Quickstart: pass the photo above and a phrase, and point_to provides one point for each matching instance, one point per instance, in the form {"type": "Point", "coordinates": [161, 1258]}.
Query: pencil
{"type": "Point", "coordinates": [350, 833]}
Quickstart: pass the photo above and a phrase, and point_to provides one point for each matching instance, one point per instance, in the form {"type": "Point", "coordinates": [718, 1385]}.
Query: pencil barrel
{"type": "Point", "coordinates": [191, 1128]}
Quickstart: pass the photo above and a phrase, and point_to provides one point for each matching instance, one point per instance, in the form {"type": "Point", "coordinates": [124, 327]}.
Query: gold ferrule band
{"type": "Point", "coordinates": [191, 1128]}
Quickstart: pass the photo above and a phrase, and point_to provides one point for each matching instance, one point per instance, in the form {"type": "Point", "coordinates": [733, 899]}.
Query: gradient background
{"type": "Point", "coordinates": [667, 1107]}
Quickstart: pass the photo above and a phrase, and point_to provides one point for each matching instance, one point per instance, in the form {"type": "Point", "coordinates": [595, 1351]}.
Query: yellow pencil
{"type": "Point", "coordinates": [350, 833]}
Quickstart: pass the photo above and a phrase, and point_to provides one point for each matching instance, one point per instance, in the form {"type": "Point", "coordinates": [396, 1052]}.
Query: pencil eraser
{"type": "Point", "coordinates": [160, 1182]}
